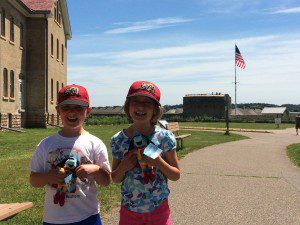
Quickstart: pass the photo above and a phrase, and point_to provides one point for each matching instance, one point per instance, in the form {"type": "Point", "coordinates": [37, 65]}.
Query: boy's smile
{"type": "Point", "coordinates": [72, 120]}
{"type": "Point", "coordinates": [73, 117]}
{"type": "Point", "coordinates": [72, 113]}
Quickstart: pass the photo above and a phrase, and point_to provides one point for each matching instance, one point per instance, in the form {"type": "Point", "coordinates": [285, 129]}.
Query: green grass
{"type": "Point", "coordinates": [255, 126]}
{"type": "Point", "coordinates": [293, 152]}
{"type": "Point", "coordinates": [16, 150]}
{"type": "Point", "coordinates": [201, 139]}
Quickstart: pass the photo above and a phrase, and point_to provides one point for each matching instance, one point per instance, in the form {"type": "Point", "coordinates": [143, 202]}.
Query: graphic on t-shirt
{"type": "Point", "coordinates": [68, 159]}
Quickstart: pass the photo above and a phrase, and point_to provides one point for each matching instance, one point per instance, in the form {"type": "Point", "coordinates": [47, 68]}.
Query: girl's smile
{"type": "Point", "coordinates": [141, 109]}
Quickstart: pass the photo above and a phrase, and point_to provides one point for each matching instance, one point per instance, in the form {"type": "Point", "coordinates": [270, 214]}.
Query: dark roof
{"type": "Point", "coordinates": [38, 5]}
{"type": "Point", "coordinates": [108, 110]}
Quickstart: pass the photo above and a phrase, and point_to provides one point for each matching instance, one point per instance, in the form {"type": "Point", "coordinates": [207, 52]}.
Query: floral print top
{"type": "Point", "coordinates": [137, 196]}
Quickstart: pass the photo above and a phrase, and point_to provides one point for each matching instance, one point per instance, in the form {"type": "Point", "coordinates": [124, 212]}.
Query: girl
{"type": "Point", "coordinates": [144, 201]}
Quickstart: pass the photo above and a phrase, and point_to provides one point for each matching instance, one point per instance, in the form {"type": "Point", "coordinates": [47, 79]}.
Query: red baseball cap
{"type": "Point", "coordinates": [144, 88]}
{"type": "Point", "coordinates": [73, 95]}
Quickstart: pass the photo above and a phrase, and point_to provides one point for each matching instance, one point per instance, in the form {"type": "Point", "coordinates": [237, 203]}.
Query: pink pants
{"type": "Point", "coordinates": [159, 216]}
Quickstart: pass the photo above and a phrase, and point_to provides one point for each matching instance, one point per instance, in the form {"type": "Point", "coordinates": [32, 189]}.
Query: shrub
{"type": "Point", "coordinates": [106, 120]}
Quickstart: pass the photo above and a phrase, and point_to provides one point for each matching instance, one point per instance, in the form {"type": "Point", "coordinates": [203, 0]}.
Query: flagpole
{"type": "Point", "coordinates": [235, 80]}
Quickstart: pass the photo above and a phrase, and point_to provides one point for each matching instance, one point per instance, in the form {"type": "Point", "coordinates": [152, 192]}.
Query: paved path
{"type": "Point", "coordinates": [244, 182]}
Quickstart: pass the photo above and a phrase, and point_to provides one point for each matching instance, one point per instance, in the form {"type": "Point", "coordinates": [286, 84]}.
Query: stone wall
{"type": "Point", "coordinates": [54, 119]}
{"type": "Point", "coordinates": [12, 59]}
{"type": "Point", "coordinates": [57, 63]}
{"type": "Point", "coordinates": [10, 120]}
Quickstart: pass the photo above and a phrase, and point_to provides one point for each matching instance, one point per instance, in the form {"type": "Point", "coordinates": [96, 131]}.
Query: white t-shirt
{"type": "Point", "coordinates": [54, 150]}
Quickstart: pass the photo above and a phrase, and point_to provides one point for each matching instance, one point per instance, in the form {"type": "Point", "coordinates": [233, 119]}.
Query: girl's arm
{"type": "Point", "coordinates": [169, 167]}
{"type": "Point", "coordinates": [119, 168]}
{"type": "Point", "coordinates": [101, 175]}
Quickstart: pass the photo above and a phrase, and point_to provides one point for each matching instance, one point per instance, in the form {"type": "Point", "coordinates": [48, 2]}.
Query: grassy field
{"type": "Point", "coordinates": [255, 126]}
{"type": "Point", "coordinates": [293, 152]}
{"type": "Point", "coordinates": [16, 150]}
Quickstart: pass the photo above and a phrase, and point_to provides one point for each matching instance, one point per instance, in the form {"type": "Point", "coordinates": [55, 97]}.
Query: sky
{"type": "Point", "coordinates": [186, 47]}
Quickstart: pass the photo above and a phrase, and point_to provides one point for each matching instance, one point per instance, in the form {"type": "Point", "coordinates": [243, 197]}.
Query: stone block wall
{"type": "Point", "coordinates": [10, 120]}
{"type": "Point", "coordinates": [36, 120]}
{"type": "Point", "coordinates": [54, 119]}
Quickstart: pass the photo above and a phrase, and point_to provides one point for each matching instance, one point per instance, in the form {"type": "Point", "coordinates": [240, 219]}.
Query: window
{"type": "Point", "coordinates": [62, 85]}
{"type": "Point", "coordinates": [22, 91]}
{"type": "Point", "coordinates": [5, 83]}
{"type": "Point", "coordinates": [12, 30]}
{"type": "Point", "coordinates": [51, 90]}
{"type": "Point", "coordinates": [57, 47]}
{"type": "Point", "coordinates": [3, 23]}
{"type": "Point", "coordinates": [21, 35]}
{"type": "Point", "coordinates": [59, 18]}
{"type": "Point", "coordinates": [12, 84]}
{"type": "Point", "coordinates": [55, 11]}
{"type": "Point", "coordinates": [62, 53]}
{"type": "Point", "coordinates": [57, 88]}
{"type": "Point", "coordinates": [51, 44]}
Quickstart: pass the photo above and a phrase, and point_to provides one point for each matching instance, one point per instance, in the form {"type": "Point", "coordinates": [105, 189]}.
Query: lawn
{"type": "Point", "coordinates": [293, 152]}
{"type": "Point", "coordinates": [17, 148]}
{"type": "Point", "coordinates": [255, 126]}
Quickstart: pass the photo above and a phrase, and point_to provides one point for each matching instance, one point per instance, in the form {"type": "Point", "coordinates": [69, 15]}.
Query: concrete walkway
{"type": "Point", "coordinates": [244, 182]}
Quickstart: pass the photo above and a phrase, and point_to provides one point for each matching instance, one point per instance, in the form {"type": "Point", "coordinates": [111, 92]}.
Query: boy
{"type": "Point", "coordinates": [69, 163]}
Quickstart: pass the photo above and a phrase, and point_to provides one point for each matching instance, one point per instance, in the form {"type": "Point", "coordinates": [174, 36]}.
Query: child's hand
{"type": "Point", "coordinates": [129, 161]}
{"type": "Point", "coordinates": [157, 162]}
{"type": "Point", "coordinates": [56, 176]}
{"type": "Point", "coordinates": [85, 170]}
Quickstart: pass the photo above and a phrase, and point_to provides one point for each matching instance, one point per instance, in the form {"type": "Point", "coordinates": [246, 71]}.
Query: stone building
{"type": "Point", "coordinates": [211, 105]}
{"type": "Point", "coordinates": [33, 60]}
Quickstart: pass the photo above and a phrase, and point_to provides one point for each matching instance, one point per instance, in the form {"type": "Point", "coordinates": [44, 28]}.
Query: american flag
{"type": "Point", "coordinates": [239, 61]}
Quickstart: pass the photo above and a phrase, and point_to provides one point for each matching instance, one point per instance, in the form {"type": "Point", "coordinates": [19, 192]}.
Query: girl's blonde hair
{"type": "Point", "coordinates": [157, 114]}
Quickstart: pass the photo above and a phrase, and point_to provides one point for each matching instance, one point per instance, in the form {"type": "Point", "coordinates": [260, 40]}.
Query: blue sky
{"type": "Point", "coordinates": [186, 47]}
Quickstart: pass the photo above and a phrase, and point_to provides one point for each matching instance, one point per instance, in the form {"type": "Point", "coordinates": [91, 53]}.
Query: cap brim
{"type": "Point", "coordinates": [74, 102]}
{"type": "Point", "coordinates": [146, 95]}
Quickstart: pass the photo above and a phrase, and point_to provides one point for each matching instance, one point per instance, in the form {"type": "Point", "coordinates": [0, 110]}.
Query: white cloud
{"type": "Point", "coordinates": [147, 25]}
{"type": "Point", "coordinates": [271, 75]}
{"type": "Point", "coordinates": [286, 11]}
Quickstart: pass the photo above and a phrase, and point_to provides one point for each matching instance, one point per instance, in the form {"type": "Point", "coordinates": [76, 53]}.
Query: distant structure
{"type": "Point", "coordinates": [212, 105]}
{"type": "Point", "coordinates": [33, 60]}
{"type": "Point", "coordinates": [108, 111]}
{"type": "Point", "coordinates": [246, 112]}
{"type": "Point", "coordinates": [293, 115]}
{"type": "Point", "coordinates": [177, 111]}
{"type": "Point", "coordinates": [276, 111]}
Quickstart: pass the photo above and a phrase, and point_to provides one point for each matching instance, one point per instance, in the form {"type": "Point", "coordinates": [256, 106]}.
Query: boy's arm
{"type": "Point", "coordinates": [51, 177]}
{"type": "Point", "coordinates": [101, 175]}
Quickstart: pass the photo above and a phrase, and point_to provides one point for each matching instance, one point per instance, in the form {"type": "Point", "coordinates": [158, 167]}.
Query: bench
{"type": "Point", "coordinates": [174, 127]}
{"type": "Point", "coordinates": [11, 209]}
